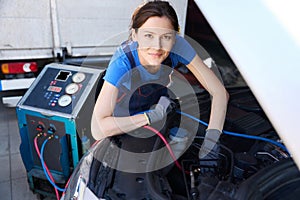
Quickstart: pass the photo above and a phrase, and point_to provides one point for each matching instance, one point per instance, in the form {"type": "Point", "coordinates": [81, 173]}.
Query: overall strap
{"type": "Point", "coordinates": [128, 53]}
{"type": "Point", "coordinates": [168, 62]}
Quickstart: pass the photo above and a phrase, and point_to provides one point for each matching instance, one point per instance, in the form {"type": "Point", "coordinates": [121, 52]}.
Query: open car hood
{"type": "Point", "coordinates": [263, 39]}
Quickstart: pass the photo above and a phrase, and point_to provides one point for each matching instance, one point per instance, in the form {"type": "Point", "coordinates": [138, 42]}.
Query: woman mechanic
{"type": "Point", "coordinates": [154, 39]}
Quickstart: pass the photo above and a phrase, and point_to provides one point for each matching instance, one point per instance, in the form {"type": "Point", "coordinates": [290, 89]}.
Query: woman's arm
{"type": "Point", "coordinates": [103, 123]}
{"type": "Point", "coordinates": [216, 89]}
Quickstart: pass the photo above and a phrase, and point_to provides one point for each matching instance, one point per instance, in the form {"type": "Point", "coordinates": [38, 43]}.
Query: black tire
{"type": "Point", "coordinates": [278, 181]}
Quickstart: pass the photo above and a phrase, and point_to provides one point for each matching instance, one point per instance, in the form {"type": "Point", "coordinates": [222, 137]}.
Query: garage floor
{"type": "Point", "coordinates": [13, 181]}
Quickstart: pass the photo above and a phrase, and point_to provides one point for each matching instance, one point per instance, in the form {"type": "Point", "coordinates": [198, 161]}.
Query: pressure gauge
{"type": "Point", "coordinates": [64, 100]}
{"type": "Point", "coordinates": [78, 77]}
{"type": "Point", "coordinates": [72, 88]}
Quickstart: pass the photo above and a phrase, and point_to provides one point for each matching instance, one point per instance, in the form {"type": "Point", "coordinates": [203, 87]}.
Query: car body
{"type": "Point", "coordinates": [263, 40]}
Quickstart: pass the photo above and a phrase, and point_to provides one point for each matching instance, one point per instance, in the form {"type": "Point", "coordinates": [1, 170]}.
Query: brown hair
{"type": "Point", "coordinates": [156, 8]}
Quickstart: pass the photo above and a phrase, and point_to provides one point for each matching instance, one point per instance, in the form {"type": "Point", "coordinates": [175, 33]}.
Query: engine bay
{"type": "Point", "coordinates": [252, 163]}
{"type": "Point", "coordinates": [249, 144]}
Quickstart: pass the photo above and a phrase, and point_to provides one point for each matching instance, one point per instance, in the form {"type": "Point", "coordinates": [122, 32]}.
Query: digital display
{"type": "Point", "coordinates": [52, 88]}
{"type": "Point", "coordinates": [63, 75]}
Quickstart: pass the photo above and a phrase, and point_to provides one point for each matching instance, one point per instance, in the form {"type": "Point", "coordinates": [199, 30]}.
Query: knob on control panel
{"type": "Point", "coordinates": [51, 130]}
{"type": "Point", "coordinates": [40, 127]}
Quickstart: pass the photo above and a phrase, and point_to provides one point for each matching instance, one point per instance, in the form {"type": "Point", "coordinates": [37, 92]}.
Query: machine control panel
{"type": "Point", "coordinates": [59, 89]}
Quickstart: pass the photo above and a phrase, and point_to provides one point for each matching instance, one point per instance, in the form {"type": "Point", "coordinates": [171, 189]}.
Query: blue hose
{"type": "Point", "coordinates": [44, 168]}
{"type": "Point", "coordinates": [238, 134]}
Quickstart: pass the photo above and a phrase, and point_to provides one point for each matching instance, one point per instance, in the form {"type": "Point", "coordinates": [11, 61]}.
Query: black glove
{"type": "Point", "coordinates": [209, 150]}
{"type": "Point", "coordinates": [160, 110]}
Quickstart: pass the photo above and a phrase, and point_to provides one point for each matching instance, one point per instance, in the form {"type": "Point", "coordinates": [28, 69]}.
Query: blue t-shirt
{"type": "Point", "coordinates": [119, 64]}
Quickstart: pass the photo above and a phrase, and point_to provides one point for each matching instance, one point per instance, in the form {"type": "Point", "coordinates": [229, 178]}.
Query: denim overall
{"type": "Point", "coordinates": [114, 184]}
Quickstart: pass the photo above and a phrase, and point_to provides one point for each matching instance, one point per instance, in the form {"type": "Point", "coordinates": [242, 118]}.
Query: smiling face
{"type": "Point", "coordinates": [155, 38]}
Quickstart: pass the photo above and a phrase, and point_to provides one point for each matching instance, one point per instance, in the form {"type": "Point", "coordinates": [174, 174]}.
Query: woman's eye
{"type": "Point", "coordinates": [167, 37]}
{"type": "Point", "coordinates": [148, 36]}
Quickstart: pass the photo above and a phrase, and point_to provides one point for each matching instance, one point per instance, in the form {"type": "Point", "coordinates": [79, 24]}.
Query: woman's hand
{"type": "Point", "coordinates": [209, 151]}
{"type": "Point", "coordinates": [210, 143]}
{"type": "Point", "coordinates": [160, 110]}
